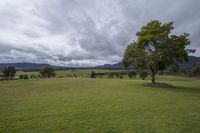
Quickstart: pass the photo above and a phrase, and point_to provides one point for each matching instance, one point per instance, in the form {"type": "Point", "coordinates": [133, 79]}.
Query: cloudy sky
{"type": "Point", "coordinates": [85, 32]}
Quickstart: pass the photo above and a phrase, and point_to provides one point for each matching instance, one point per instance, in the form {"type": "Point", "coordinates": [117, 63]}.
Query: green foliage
{"type": "Point", "coordinates": [196, 69]}
{"type": "Point", "coordinates": [111, 76]}
{"type": "Point", "coordinates": [21, 76]}
{"type": "Point", "coordinates": [156, 49]}
{"type": "Point", "coordinates": [26, 76]}
{"type": "Point", "coordinates": [47, 72]}
{"type": "Point", "coordinates": [9, 72]}
{"type": "Point", "coordinates": [77, 73]}
{"type": "Point", "coordinates": [93, 75]}
{"type": "Point", "coordinates": [33, 76]}
{"type": "Point", "coordinates": [143, 75]}
{"type": "Point", "coordinates": [131, 74]}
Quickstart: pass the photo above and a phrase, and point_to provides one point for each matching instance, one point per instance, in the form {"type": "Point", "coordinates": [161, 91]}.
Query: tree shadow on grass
{"type": "Point", "coordinates": [170, 87]}
{"type": "Point", "coordinates": [185, 89]}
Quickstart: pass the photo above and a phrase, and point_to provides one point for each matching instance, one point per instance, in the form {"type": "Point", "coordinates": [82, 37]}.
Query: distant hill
{"type": "Point", "coordinates": [28, 66]}
{"type": "Point", "coordinates": [186, 65]}
{"type": "Point", "coordinates": [117, 66]}
{"type": "Point", "coordinates": [192, 62]}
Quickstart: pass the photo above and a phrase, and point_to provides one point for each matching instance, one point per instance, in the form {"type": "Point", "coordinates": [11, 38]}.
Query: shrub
{"type": "Point", "coordinates": [117, 75]}
{"type": "Point", "coordinates": [93, 75]}
{"type": "Point", "coordinates": [110, 76]}
{"type": "Point", "coordinates": [33, 76]}
{"type": "Point", "coordinates": [26, 76]}
{"type": "Point", "coordinates": [131, 74]}
{"type": "Point", "coordinates": [21, 76]}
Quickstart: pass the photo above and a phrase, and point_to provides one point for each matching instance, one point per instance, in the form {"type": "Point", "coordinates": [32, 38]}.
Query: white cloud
{"type": "Point", "coordinates": [81, 33]}
{"type": "Point", "coordinates": [20, 56]}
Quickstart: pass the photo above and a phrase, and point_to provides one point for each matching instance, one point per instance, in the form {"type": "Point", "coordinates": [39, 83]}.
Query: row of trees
{"type": "Point", "coordinates": [9, 72]}
{"type": "Point", "coordinates": [47, 72]}
{"type": "Point", "coordinates": [119, 74]}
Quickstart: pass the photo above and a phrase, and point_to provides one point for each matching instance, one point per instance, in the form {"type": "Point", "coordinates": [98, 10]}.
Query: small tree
{"type": "Point", "coordinates": [9, 72]}
{"type": "Point", "coordinates": [47, 72]}
{"type": "Point", "coordinates": [156, 49]}
{"type": "Point", "coordinates": [93, 75]}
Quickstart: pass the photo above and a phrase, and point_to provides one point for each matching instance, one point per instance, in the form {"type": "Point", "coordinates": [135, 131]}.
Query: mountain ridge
{"type": "Point", "coordinates": [25, 66]}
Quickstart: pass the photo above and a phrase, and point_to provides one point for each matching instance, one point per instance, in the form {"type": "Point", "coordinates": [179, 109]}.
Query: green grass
{"type": "Point", "coordinates": [99, 106]}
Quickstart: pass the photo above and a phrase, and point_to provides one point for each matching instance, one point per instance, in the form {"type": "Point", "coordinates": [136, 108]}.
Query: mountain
{"type": "Point", "coordinates": [28, 66]}
{"type": "Point", "coordinates": [117, 66]}
{"type": "Point", "coordinates": [193, 60]}
{"type": "Point", "coordinates": [186, 65]}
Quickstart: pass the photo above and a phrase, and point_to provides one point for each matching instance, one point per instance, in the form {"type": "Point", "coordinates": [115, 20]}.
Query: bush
{"type": "Point", "coordinates": [110, 76]}
{"type": "Point", "coordinates": [26, 76]}
{"type": "Point", "coordinates": [33, 76]}
{"type": "Point", "coordinates": [117, 75]}
{"type": "Point", "coordinates": [93, 75]}
{"type": "Point", "coordinates": [131, 74]}
{"type": "Point", "coordinates": [21, 76]}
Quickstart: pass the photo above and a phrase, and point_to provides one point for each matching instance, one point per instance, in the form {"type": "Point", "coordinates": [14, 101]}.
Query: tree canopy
{"type": "Point", "coordinates": [156, 48]}
{"type": "Point", "coordinates": [9, 72]}
{"type": "Point", "coordinates": [47, 72]}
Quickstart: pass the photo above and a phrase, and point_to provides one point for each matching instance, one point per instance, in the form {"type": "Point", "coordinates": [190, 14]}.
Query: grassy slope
{"type": "Point", "coordinates": [99, 105]}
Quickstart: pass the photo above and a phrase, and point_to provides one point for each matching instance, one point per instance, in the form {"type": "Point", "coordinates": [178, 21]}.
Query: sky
{"type": "Point", "coordinates": [86, 32]}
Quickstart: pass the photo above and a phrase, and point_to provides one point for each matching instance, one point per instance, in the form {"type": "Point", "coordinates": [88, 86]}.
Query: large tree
{"type": "Point", "coordinates": [156, 48]}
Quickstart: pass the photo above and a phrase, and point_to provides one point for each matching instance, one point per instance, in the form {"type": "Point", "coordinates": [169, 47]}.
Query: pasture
{"type": "Point", "coordinates": [63, 73]}
{"type": "Point", "coordinates": [99, 105]}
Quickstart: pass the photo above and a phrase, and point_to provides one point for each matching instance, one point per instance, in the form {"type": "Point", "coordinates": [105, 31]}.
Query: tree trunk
{"type": "Point", "coordinates": [153, 78]}
{"type": "Point", "coordinates": [153, 74]}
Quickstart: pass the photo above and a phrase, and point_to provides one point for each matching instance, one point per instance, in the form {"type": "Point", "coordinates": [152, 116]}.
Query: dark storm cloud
{"type": "Point", "coordinates": [82, 33]}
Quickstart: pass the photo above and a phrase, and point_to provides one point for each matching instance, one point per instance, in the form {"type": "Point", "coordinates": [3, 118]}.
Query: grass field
{"type": "Point", "coordinates": [83, 105]}
{"type": "Point", "coordinates": [71, 72]}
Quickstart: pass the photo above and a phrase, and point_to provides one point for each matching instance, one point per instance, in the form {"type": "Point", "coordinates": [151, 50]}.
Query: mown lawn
{"type": "Point", "coordinates": [99, 106]}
